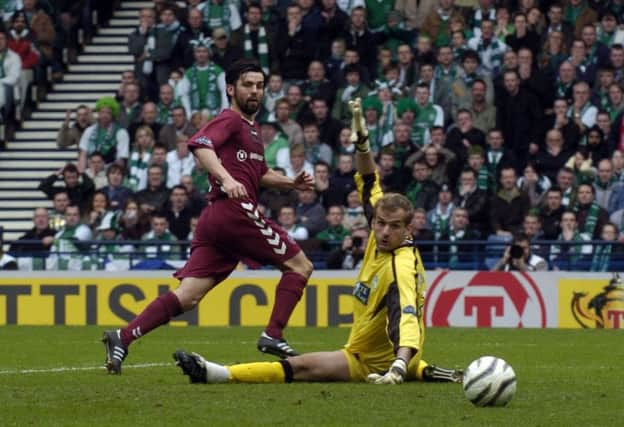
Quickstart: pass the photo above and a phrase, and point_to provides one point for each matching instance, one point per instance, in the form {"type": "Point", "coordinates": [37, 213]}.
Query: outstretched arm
{"type": "Point", "coordinates": [364, 162]}
{"type": "Point", "coordinates": [272, 179]}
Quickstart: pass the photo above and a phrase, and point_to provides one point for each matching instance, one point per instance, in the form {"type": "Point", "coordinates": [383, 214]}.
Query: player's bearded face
{"type": "Point", "coordinates": [248, 92]}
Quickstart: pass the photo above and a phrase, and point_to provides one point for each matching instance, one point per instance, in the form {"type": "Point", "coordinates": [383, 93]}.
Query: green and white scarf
{"type": "Point", "coordinates": [425, 119]}
{"type": "Point", "coordinates": [601, 258]}
{"type": "Point", "coordinates": [103, 140]}
{"type": "Point", "coordinates": [67, 254]}
{"type": "Point", "coordinates": [454, 249]}
{"type": "Point", "coordinates": [205, 92]}
{"type": "Point", "coordinates": [441, 222]}
{"type": "Point", "coordinates": [477, 18]}
{"type": "Point", "coordinates": [484, 178]}
{"type": "Point", "coordinates": [139, 162]}
{"type": "Point", "coordinates": [217, 15]}
{"type": "Point", "coordinates": [592, 219]}
{"type": "Point", "coordinates": [163, 113]}
{"type": "Point", "coordinates": [575, 251]}
{"type": "Point", "coordinates": [263, 47]}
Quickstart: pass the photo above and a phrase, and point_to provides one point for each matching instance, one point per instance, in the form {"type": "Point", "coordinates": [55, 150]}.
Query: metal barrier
{"type": "Point", "coordinates": [459, 255]}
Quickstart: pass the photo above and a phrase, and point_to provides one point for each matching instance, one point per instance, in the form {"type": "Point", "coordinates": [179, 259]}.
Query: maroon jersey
{"type": "Point", "coordinates": [239, 147]}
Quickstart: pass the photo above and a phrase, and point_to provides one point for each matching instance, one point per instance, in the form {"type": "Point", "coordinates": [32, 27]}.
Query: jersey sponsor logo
{"type": "Point", "coordinates": [202, 140]}
{"type": "Point", "coordinates": [410, 309]}
{"type": "Point", "coordinates": [361, 292]}
{"type": "Point", "coordinates": [241, 155]}
{"type": "Point", "coordinates": [485, 299]}
{"type": "Point", "coordinates": [256, 156]}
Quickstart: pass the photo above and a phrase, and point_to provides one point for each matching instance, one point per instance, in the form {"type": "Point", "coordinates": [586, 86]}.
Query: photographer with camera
{"type": "Point", "coordinates": [351, 253]}
{"type": "Point", "coordinates": [518, 256]}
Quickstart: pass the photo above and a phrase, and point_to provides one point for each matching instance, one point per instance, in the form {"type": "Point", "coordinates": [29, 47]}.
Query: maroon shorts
{"type": "Point", "coordinates": [230, 231]}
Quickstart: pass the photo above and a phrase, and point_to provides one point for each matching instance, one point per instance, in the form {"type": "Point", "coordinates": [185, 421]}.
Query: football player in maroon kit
{"type": "Point", "coordinates": [230, 228]}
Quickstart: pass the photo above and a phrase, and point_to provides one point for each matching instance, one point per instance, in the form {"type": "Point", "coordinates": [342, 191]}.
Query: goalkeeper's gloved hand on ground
{"type": "Point", "coordinates": [359, 132]}
{"type": "Point", "coordinates": [395, 375]}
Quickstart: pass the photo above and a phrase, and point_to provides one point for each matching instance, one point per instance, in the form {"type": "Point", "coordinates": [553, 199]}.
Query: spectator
{"type": "Point", "coordinates": [316, 150]}
{"type": "Point", "coordinates": [39, 238]}
{"type": "Point", "coordinates": [116, 192]}
{"type": "Point", "coordinates": [341, 182]}
{"type": "Point", "coordinates": [360, 39]}
{"type": "Point", "coordinates": [523, 36]}
{"type": "Point", "coordinates": [570, 132]}
{"type": "Point", "coordinates": [60, 201]}
{"type": "Point", "coordinates": [436, 23]}
{"type": "Point", "coordinates": [490, 48]}
{"type": "Point", "coordinates": [274, 91]}
{"type": "Point", "coordinates": [159, 158]}
{"type": "Point", "coordinates": [439, 218]}
{"type": "Point", "coordinates": [428, 115]}
{"type": "Point", "coordinates": [333, 25]}
{"type": "Point", "coordinates": [310, 212]}
{"type": "Point", "coordinates": [590, 216]}
{"type": "Point", "coordinates": [179, 126]}
{"type": "Point", "coordinates": [172, 27]}
{"type": "Point", "coordinates": [518, 115]}
{"type": "Point", "coordinates": [332, 236]}
{"type": "Point", "coordinates": [556, 23]}
{"type": "Point", "coordinates": [98, 207]}
{"type": "Point", "coordinates": [219, 13]}
{"type": "Point", "coordinates": [350, 254]}
{"type": "Point", "coordinates": [78, 192]}
{"type": "Point", "coordinates": [293, 50]}
{"type": "Point", "coordinates": [159, 242]}
{"type": "Point", "coordinates": [152, 48]}
{"type": "Point", "coordinates": [329, 127]}
{"type": "Point", "coordinates": [438, 159]}
{"type": "Point", "coordinates": [577, 13]}
{"type": "Point", "coordinates": [321, 182]}
{"type": "Point", "coordinates": [166, 103]}
{"type": "Point", "coordinates": [287, 219]}
{"type": "Point", "coordinates": [459, 230]}
{"type": "Point", "coordinates": [608, 252]}
{"type": "Point", "coordinates": [203, 86]}
{"type": "Point", "coordinates": [606, 186]}
{"type": "Point", "coordinates": [407, 69]}
{"type": "Point", "coordinates": [533, 183]}
{"type": "Point", "coordinates": [11, 69]}
{"type": "Point", "coordinates": [222, 52]}
{"type": "Point", "coordinates": [149, 116]}
{"type": "Point", "coordinates": [422, 191]}
{"type": "Point", "coordinates": [68, 244]}
{"type": "Point", "coordinates": [197, 200]}
{"type": "Point", "coordinates": [317, 86]}
{"type": "Point", "coordinates": [354, 88]}
{"type": "Point", "coordinates": [582, 111]}
{"type": "Point", "coordinates": [573, 249]}
{"type": "Point", "coordinates": [252, 38]}
{"type": "Point", "coordinates": [70, 135]}
{"type": "Point", "coordinates": [153, 198]}
{"type": "Point", "coordinates": [597, 148]}
{"type": "Point", "coordinates": [391, 176]}
{"type": "Point", "coordinates": [179, 162]}
{"type": "Point", "coordinates": [474, 200]}
{"type": "Point", "coordinates": [108, 248]}
{"type": "Point", "coordinates": [509, 205]}
{"type": "Point", "coordinates": [193, 31]}
{"type": "Point", "coordinates": [96, 170]}
{"type": "Point", "coordinates": [276, 149]}
{"type": "Point", "coordinates": [298, 163]}
{"type": "Point", "coordinates": [178, 213]}
{"type": "Point", "coordinates": [402, 146]}
{"type": "Point", "coordinates": [22, 41]}
{"type": "Point", "coordinates": [140, 158]}
{"type": "Point", "coordinates": [106, 136]}
{"type": "Point", "coordinates": [291, 128]}
{"type": "Point", "coordinates": [483, 113]}
{"type": "Point", "coordinates": [354, 212]}
{"type": "Point", "coordinates": [133, 222]}
{"type": "Point", "coordinates": [518, 256]}
{"type": "Point", "coordinates": [420, 232]}
{"type": "Point", "coordinates": [464, 136]}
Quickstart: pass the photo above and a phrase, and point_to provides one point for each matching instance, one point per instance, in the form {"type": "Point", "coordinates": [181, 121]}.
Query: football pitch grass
{"type": "Point", "coordinates": [55, 376]}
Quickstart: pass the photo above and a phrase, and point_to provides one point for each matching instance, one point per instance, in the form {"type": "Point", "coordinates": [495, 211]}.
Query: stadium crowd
{"type": "Point", "coordinates": [497, 119]}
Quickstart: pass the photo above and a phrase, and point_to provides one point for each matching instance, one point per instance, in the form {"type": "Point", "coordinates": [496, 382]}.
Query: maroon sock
{"type": "Point", "coordinates": [287, 295]}
{"type": "Point", "coordinates": [159, 312]}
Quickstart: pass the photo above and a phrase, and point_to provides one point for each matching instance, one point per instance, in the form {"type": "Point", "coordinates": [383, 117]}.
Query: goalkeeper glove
{"type": "Point", "coordinates": [359, 132]}
{"type": "Point", "coordinates": [395, 375]}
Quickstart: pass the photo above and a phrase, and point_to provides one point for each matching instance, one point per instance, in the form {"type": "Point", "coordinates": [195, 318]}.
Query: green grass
{"type": "Point", "coordinates": [565, 378]}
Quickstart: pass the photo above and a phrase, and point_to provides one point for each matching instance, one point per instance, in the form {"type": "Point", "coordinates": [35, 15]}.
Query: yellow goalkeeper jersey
{"type": "Point", "coordinates": [388, 297]}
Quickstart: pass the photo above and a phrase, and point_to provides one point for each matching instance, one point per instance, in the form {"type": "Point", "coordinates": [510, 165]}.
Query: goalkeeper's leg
{"type": "Point", "coordinates": [431, 373]}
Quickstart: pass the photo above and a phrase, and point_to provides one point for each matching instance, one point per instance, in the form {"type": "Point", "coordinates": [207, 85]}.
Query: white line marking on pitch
{"type": "Point", "coordinates": [74, 369]}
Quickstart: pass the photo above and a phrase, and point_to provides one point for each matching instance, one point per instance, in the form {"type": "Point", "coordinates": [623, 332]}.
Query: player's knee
{"type": "Point", "coordinates": [304, 267]}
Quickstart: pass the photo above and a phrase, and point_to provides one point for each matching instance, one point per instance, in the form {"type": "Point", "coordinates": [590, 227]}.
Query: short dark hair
{"type": "Point", "coordinates": [71, 168]}
{"type": "Point", "coordinates": [240, 67]}
{"type": "Point", "coordinates": [519, 236]}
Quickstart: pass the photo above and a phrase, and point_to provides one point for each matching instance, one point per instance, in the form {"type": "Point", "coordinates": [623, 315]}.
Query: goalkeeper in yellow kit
{"type": "Point", "coordinates": [386, 341]}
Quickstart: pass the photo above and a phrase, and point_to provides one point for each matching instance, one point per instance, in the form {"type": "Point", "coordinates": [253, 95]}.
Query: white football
{"type": "Point", "coordinates": [489, 381]}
